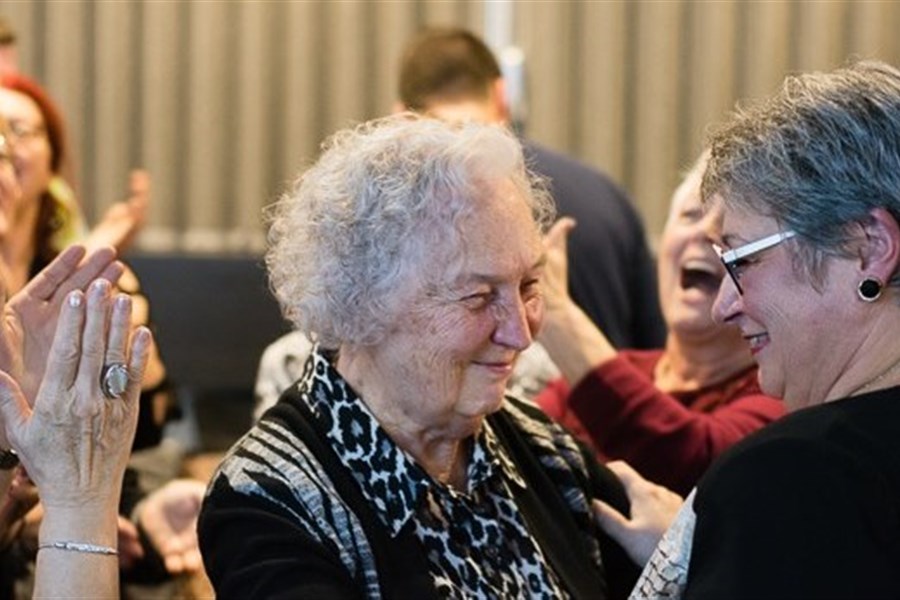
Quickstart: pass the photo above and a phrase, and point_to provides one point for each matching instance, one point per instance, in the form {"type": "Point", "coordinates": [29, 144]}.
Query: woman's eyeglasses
{"type": "Point", "coordinates": [23, 132]}
{"type": "Point", "coordinates": [734, 259]}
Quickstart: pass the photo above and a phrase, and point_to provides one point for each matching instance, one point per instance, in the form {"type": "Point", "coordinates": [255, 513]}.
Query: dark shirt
{"type": "Point", "coordinates": [612, 275]}
{"type": "Point", "coordinates": [808, 507]}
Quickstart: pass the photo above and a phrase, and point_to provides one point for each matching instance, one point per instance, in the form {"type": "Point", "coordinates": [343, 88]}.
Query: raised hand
{"type": "Point", "coordinates": [123, 220]}
{"type": "Point", "coordinates": [75, 440]}
{"type": "Point", "coordinates": [29, 317]}
{"type": "Point", "coordinates": [74, 434]}
{"type": "Point", "coordinates": [556, 273]}
{"type": "Point", "coordinates": [574, 342]}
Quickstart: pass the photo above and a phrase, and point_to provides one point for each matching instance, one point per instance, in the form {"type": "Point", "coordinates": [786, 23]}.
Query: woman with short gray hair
{"type": "Point", "coordinates": [807, 189]}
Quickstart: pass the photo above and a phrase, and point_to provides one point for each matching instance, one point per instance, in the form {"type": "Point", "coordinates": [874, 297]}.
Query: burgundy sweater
{"type": "Point", "coordinates": [670, 439]}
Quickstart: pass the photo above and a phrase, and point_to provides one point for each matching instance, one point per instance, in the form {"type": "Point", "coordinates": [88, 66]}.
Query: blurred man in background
{"type": "Point", "coordinates": [450, 73]}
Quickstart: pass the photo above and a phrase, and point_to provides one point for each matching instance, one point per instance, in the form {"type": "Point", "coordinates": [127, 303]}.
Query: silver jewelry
{"type": "Point", "coordinates": [80, 547]}
{"type": "Point", "coordinates": [114, 380]}
{"type": "Point", "coordinates": [869, 289]}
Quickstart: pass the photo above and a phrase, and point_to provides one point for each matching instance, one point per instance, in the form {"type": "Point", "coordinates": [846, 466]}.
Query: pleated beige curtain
{"type": "Point", "coordinates": [224, 101]}
{"type": "Point", "coordinates": [633, 86]}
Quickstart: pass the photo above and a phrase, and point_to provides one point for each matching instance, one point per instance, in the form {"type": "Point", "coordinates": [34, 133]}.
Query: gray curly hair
{"type": "Point", "coordinates": [817, 157]}
{"type": "Point", "coordinates": [345, 241]}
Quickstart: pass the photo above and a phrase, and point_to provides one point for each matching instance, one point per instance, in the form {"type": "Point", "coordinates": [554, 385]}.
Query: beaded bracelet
{"type": "Point", "coordinates": [80, 547]}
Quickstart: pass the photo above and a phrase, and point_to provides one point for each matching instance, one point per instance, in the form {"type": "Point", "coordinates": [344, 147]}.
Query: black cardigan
{"type": "Point", "coordinates": [231, 522]}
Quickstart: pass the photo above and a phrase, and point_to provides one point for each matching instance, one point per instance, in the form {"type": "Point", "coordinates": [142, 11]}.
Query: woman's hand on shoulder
{"type": "Point", "coordinates": [653, 508]}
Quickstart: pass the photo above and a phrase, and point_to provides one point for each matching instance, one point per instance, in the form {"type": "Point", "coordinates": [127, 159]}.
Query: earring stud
{"type": "Point", "coordinates": [869, 289]}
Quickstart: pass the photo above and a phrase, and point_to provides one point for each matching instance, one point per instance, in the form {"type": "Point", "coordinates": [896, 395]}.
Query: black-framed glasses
{"type": "Point", "coordinates": [733, 259]}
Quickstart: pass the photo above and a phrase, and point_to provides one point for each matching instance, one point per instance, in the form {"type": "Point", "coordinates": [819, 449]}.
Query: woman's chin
{"type": "Point", "coordinates": [693, 323]}
{"type": "Point", "coordinates": [488, 404]}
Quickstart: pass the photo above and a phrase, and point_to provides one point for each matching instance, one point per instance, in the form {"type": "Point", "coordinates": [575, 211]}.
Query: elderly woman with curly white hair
{"type": "Point", "coordinates": [396, 467]}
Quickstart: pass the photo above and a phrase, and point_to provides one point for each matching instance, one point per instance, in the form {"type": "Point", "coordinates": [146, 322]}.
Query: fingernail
{"type": "Point", "coordinates": [123, 302]}
{"type": "Point", "coordinates": [75, 299]}
{"type": "Point", "coordinates": [100, 286]}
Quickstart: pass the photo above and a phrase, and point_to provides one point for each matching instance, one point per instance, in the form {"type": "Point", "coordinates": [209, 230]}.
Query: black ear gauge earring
{"type": "Point", "coordinates": [869, 289]}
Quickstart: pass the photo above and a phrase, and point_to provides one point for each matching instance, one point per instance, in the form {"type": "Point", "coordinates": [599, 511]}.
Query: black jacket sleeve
{"type": "Point", "coordinates": [251, 550]}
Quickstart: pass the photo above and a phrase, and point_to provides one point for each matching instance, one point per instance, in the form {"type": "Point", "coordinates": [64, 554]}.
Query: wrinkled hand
{"type": "Point", "coordinates": [556, 272]}
{"type": "Point", "coordinates": [653, 509]}
{"type": "Point", "coordinates": [29, 318]}
{"type": "Point", "coordinates": [169, 518]}
{"type": "Point", "coordinates": [75, 442]}
{"type": "Point", "coordinates": [123, 220]}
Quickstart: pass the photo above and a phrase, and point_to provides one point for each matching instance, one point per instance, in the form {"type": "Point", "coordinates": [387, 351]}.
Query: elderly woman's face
{"type": "Point", "coordinates": [477, 306]}
{"type": "Point", "coordinates": [32, 147]}
{"type": "Point", "coordinates": [790, 325]}
{"type": "Point", "coordinates": [689, 270]}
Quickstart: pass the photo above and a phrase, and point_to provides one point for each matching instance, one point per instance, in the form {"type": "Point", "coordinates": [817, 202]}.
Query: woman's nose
{"type": "Point", "coordinates": [514, 327]}
{"type": "Point", "coordinates": [727, 303]}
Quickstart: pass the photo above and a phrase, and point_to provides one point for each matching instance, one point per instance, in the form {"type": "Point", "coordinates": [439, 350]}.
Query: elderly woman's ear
{"type": "Point", "coordinates": [880, 249]}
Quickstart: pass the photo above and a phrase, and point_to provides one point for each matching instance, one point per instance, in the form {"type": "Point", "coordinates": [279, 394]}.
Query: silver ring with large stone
{"type": "Point", "coordinates": [114, 380]}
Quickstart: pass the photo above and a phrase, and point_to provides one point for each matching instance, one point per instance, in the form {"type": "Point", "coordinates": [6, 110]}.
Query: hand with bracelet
{"type": "Point", "coordinates": [27, 324]}
{"type": "Point", "coordinates": [75, 440]}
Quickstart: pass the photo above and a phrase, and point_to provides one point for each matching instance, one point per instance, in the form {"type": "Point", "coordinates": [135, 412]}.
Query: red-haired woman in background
{"type": "Point", "coordinates": [44, 218]}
